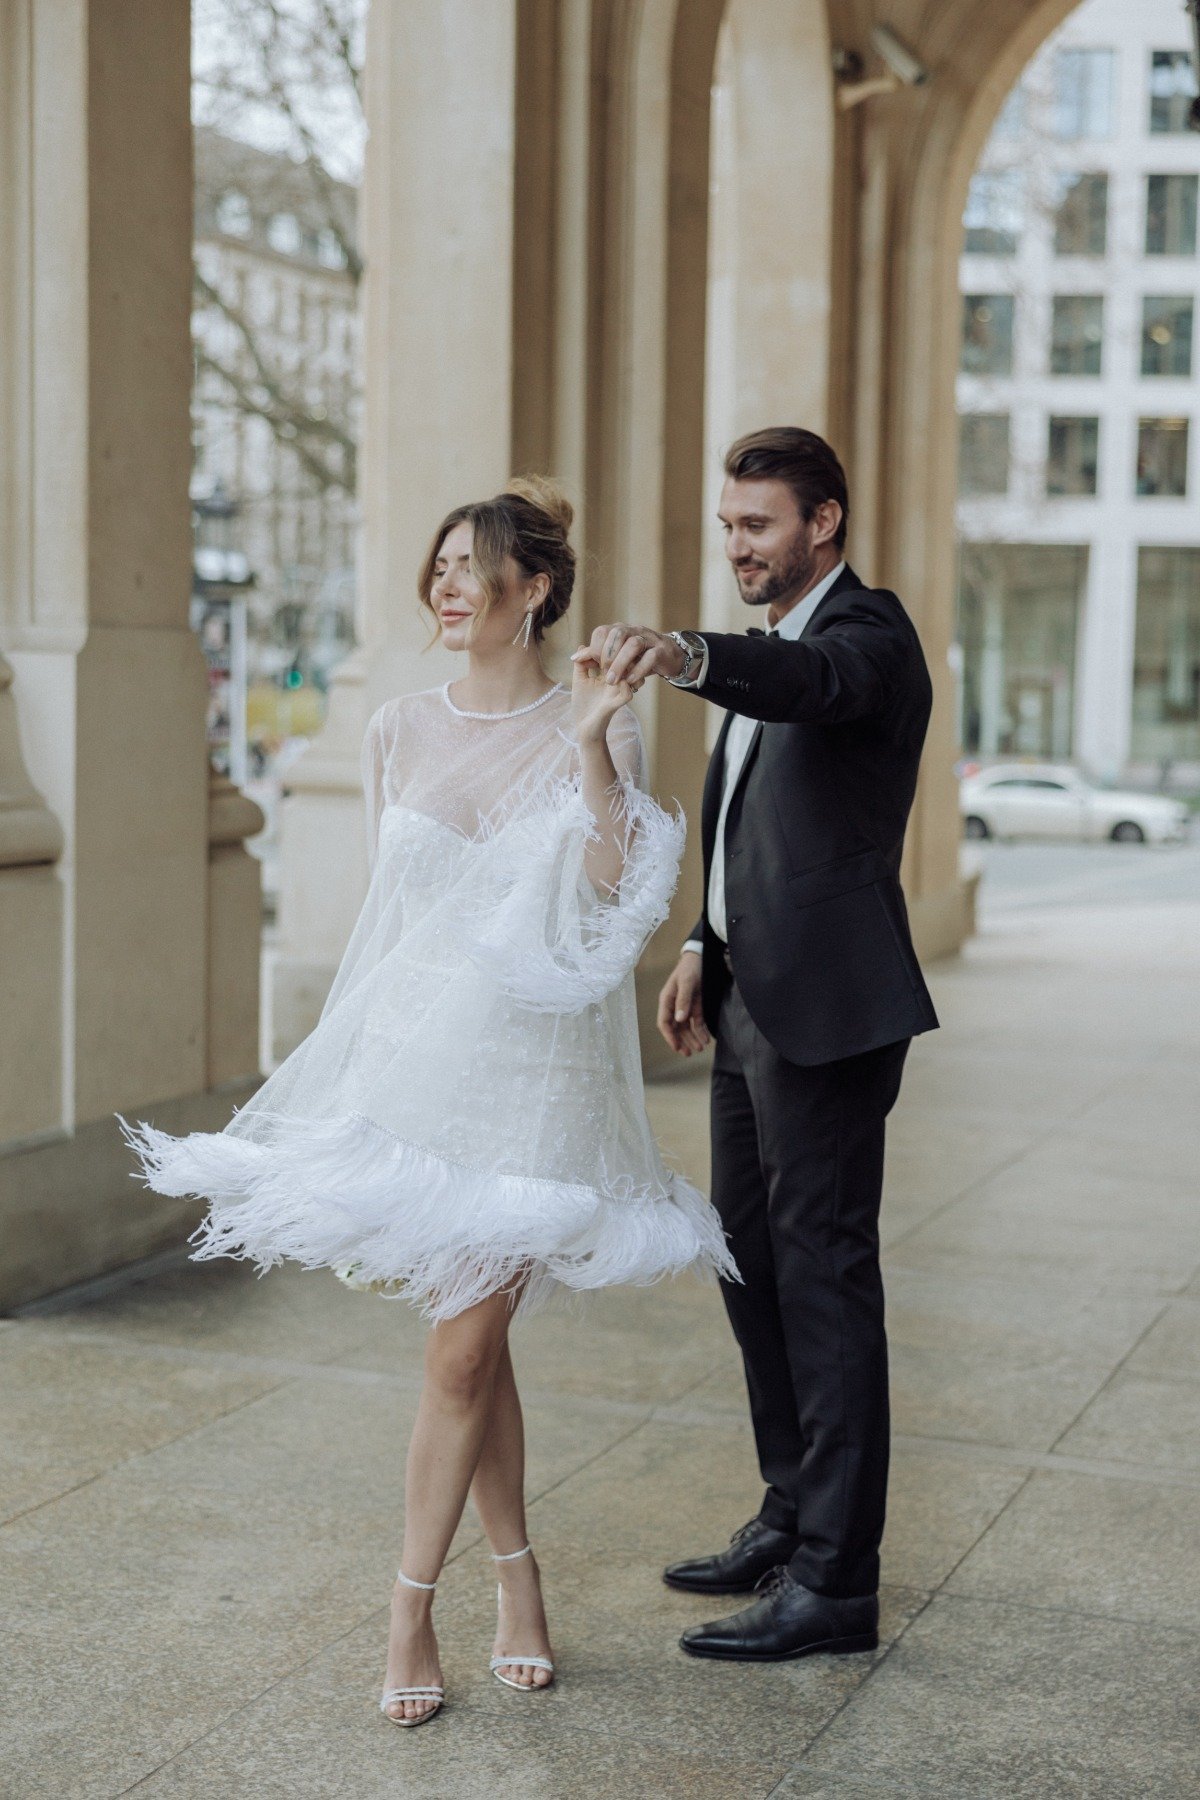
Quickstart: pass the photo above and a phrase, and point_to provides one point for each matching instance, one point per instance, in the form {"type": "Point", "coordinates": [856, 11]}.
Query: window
{"type": "Point", "coordinates": [983, 453]}
{"type": "Point", "coordinates": [1166, 655]}
{"type": "Point", "coordinates": [1172, 89]}
{"type": "Point", "coordinates": [1083, 94]}
{"type": "Point", "coordinates": [1018, 613]}
{"type": "Point", "coordinates": [284, 234]}
{"type": "Point", "coordinates": [995, 212]}
{"type": "Point", "coordinates": [1162, 458]}
{"type": "Point", "coordinates": [1072, 456]}
{"type": "Point", "coordinates": [1171, 215]}
{"type": "Point", "coordinates": [987, 347]}
{"type": "Point", "coordinates": [1081, 215]}
{"type": "Point", "coordinates": [329, 249]}
{"type": "Point", "coordinates": [1077, 334]}
{"type": "Point", "coordinates": [233, 214]}
{"type": "Point", "coordinates": [1167, 335]}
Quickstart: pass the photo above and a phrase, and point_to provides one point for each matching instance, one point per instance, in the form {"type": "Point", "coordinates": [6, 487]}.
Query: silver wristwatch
{"type": "Point", "coordinates": [692, 645]}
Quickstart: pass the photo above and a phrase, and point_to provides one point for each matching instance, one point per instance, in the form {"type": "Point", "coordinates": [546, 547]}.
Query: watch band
{"type": "Point", "coordinates": [693, 648]}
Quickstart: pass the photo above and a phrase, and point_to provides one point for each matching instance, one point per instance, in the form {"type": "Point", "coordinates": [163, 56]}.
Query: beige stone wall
{"type": "Point", "coordinates": [128, 976]}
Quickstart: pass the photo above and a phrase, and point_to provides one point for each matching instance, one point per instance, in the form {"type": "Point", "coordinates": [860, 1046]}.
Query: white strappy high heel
{"type": "Point", "coordinates": [435, 1694]}
{"type": "Point", "coordinates": [512, 1661]}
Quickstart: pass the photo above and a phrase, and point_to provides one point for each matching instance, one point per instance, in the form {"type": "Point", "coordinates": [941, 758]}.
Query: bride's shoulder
{"type": "Point", "coordinates": [401, 711]}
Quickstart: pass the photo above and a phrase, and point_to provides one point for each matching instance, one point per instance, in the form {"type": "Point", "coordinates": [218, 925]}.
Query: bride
{"type": "Point", "coordinates": [465, 1126]}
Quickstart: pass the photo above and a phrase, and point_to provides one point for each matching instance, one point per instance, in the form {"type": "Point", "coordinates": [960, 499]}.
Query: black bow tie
{"type": "Point", "coordinates": [757, 631]}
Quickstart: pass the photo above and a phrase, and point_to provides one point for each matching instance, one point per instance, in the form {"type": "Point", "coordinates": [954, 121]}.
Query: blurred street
{"type": "Point", "coordinates": [1022, 875]}
{"type": "Point", "coordinates": [203, 1480]}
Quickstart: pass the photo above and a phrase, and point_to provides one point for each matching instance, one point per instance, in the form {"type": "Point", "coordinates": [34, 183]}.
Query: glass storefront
{"type": "Point", "coordinates": [1019, 608]}
{"type": "Point", "coordinates": [1166, 656]}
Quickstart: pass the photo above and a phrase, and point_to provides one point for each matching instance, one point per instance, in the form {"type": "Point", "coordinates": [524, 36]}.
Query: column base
{"type": "Point", "coordinates": [70, 1210]}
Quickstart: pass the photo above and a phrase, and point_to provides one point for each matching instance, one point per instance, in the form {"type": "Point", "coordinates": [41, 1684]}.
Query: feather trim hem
{"type": "Point", "coordinates": [396, 1218]}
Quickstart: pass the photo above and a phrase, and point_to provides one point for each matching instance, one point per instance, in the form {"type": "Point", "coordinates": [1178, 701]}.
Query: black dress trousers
{"type": "Point", "coordinates": [797, 1181]}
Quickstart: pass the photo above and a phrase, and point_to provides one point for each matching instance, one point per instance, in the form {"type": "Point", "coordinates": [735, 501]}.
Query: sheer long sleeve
{"type": "Point", "coordinates": [373, 761]}
{"type": "Point", "coordinates": [553, 943]}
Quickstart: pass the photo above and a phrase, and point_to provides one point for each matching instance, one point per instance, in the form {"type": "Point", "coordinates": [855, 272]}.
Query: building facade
{"type": "Point", "coordinates": [1079, 465]}
{"type": "Point", "coordinates": [275, 417]}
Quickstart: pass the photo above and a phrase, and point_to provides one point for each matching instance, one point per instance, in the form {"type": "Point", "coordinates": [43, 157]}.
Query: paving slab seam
{"type": "Point", "coordinates": [376, 1613]}
{"type": "Point", "coordinates": [233, 1362]}
{"type": "Point", "coordinates": [136, 1456]}
{"type": "Point", "coordinates": [1189, 1632]}
{"type": "Point", "coordinates": [237, 1362]}
{"type": "Point", "coordinates": [583, 1731]}
{"type": "Point", "coordinates": [1111, 1376]}
{"type": "Point", "coordinates": [1019, 1156]}
{"type": "Point", "coordinates": [52, 1499]}
{"type": "Point", "coordinates": [876, 1664]}
{"type": "Point", "coordinates": [591, 1460]}
{"type": "Point", "coordinates": [930, 1595]}
{"type": "Point", "coordinates": [1003, 1456]}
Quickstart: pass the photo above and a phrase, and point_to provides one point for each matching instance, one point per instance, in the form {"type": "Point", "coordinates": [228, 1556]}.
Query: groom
{"type": "Point", "coordinates": [802, 968]}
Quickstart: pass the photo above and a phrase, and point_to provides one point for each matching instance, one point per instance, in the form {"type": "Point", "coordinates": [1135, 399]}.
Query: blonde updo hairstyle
{"type": "Point", "coordinates": [529, 521]}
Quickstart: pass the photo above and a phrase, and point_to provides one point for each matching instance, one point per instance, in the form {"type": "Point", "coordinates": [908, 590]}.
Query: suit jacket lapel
{"type": "Point", "coordinates": [847, 582]}
{"type": "Point", "coordinates": [747, 760]}
{"type": "Point", "coordinates": [714, 785]}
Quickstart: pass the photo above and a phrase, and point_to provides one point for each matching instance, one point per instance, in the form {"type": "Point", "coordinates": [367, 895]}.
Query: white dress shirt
{"type": "Point", "coordinates": [737, 743]}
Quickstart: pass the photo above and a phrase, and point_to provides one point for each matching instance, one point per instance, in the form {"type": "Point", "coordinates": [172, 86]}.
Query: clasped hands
{"type": "Point", "coordinates": [611, 668]}
{"type": "Point", "coordinates": [627, 654]}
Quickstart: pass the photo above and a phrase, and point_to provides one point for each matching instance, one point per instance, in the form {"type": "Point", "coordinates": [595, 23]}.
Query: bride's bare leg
{"type": "Point", "coordinates": [461, 1360]}
{"type": "Point", "coordinates": [498, 1491]}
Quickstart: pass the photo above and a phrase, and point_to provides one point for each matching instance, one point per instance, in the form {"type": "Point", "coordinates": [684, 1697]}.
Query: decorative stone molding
{"type": "Point", "coordinates": [29, 831]}
{"type": "Point", "coordinates": [232, 816]}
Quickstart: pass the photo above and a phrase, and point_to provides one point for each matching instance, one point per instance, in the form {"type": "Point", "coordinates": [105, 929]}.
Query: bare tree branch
{"type": "Point", "coordinates": [289, 66]}
{"type": "Point", "coordinates": [274, 398]}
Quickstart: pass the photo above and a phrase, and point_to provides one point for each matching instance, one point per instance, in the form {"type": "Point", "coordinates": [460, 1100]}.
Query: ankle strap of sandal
{"type": "Point", "coordinates": [426, 1587]}
{"type": "Point", "coordinates": [513, 1554]}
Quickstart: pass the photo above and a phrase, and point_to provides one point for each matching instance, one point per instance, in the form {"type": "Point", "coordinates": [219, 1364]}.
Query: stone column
{"type": "Point", "coordinates": [770, 246]}
{"type": "Point", "coordinates": [95, 577]}
{"type": "Point", "coordinates": [141, 799]}
{"type": "Point", "coordinates": [31, 921]}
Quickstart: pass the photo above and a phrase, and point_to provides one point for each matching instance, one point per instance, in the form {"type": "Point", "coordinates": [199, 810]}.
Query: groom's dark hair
{"type": "Point", "coordinates": [805, 461]}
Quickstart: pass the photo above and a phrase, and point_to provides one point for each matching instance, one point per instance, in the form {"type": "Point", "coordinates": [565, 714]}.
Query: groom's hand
{"type": "Point", "coordinates": [632, 652]}
{"type": "Point", "coordinates": [680, 1013]}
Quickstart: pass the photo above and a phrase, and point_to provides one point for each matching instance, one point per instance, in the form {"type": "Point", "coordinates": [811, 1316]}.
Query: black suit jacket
{"type": "Point", "coordinates": [818, 931]}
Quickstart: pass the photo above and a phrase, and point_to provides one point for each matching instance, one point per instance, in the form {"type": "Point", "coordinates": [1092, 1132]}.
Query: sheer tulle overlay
{"type": "Point", "coordinates": [468, 1112]}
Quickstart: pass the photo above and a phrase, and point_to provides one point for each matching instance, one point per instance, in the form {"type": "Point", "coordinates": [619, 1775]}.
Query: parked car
{"type": "Point", "coordinates": [1055, 801]}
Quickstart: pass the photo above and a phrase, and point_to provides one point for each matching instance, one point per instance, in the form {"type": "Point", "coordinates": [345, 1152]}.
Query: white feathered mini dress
{"type": "Point", "coordinates": [469, 1109]}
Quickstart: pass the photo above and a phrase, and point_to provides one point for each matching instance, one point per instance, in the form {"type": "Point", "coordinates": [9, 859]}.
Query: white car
{"type": "Point", "coordinates": [1054, 801]}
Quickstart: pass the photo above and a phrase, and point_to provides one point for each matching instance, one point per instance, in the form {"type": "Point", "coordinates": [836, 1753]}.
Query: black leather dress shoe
{"type": "Point", "coordinates": [786, 1621]}
{"type": "Point", "coordinates": [753, 1552]}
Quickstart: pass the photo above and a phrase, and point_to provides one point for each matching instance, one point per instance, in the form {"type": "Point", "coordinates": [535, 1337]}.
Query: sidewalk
{"type": "Point", "coordinates": [203, 1473]}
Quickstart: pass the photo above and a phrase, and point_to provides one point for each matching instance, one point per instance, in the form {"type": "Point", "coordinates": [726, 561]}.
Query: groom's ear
{"type": "Point", "coordinates": [826, 522]}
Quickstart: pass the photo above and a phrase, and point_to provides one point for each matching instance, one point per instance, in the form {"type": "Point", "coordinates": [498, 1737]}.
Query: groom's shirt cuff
{"type": "Point", "coordinates": [694, 944]}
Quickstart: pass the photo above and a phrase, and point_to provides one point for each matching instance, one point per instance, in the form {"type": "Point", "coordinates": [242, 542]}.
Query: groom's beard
{"type": "Point", "coordinates": [791, 576]}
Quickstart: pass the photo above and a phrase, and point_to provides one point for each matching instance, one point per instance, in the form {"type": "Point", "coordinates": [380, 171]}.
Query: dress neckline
{"type": "Point", "coordinates": [517, 712]}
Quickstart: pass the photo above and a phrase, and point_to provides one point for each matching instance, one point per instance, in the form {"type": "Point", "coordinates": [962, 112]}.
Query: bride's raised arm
{"type": "Point", "coordinates": [610, 768]}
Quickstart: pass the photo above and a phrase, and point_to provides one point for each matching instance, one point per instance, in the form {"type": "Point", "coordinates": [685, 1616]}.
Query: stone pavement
{"type": "Point", "coordinates": [202, 1473]}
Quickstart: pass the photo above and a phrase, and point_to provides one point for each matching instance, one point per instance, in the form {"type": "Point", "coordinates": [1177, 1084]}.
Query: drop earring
{"type": "Point", "coordinates": [523, 636]}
